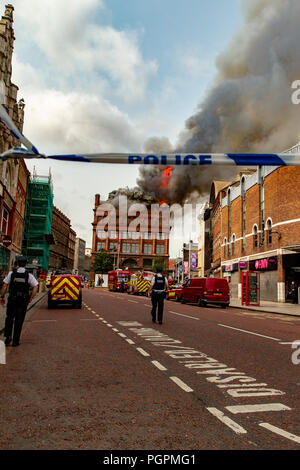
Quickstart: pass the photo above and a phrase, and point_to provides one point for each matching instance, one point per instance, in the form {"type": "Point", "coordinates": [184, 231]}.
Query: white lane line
{"type": "Point", "coordinates": [229, 422]}
{"type": "Point", "coordinates": [287, 342]}
{"type": "Point", "coordinates": [181, 384]}
{"type": "Point", "coordinates": [130, 341]}
{"type": "Point", "coordinates": [280, 432]}
{"type": "Point", "coordinates": [144, 353]}
{"type": "Point", "coordinates": [249, 332]}
{"type": "Point", "coordinates": [133, 301]}
{"type": "Point", "coordinates": [175, 313]}
{"type": "Point", "coordinates": [104, 321]}
{"type": "Point", "coordinates": [257, 408]}
{"type": "Point", "coordinates": [122, 335]}
{"type": "Point", "coordinates": [108, 324]}
{"type": "Point", "coordinates": [115, 329]}
{"type": "Point", "coordinates": [158, 365]}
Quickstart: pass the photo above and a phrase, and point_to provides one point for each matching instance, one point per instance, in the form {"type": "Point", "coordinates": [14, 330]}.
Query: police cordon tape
{"type": "Point", "coordinates": [168, 159]}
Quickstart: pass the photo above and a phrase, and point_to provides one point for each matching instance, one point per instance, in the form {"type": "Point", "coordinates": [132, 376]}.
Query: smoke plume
{"type": "Point", "coordinates": [248, 108]}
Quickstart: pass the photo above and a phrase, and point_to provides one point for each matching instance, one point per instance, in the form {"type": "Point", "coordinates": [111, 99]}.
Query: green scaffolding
{"type": "Point", "coordinates": [38, 219]}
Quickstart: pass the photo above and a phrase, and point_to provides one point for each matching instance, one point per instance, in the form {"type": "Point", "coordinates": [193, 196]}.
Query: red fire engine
{"type": "Point", "coordinates": [116, 278]}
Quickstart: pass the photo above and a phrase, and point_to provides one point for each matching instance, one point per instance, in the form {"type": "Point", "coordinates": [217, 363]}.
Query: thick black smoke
{"type": "Point", "coordinates": [249, 107]}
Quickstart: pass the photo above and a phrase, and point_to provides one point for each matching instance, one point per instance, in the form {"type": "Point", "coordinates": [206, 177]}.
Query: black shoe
{"type": "Point", "coordinates": [153, 321]}
{"type": "Point", "coordinates": [160, 322]}
{"type": "Point", "coordinates": [15, 345]}
{"type": "Point", "coordinates": [7, 341]}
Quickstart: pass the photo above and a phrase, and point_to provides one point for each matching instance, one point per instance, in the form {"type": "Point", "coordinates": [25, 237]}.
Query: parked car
{"type": "Point", "coordinates": [206, 290]}
{"type": "Point", "coordinates": [174, 292]}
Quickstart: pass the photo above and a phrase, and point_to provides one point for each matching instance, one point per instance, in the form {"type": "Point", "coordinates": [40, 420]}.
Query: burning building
{"type": "Point", "coordinates": [135, 237]}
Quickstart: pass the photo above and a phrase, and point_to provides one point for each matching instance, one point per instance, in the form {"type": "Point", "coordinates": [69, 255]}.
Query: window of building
{"type": "Point", "coordinates": [113, 234]}
{"type": "Point", "coordinates": [255, 236]}
{"type": "Point", "coordinates": [134, 235]}
{"type": "Point", "coordinates": [225, 247]}
{"type": "Point", "coordinates": [123, 235]}
{"type": "Point", "coordinates": [160, 249]}
{"type": "Point", "coordinates": [269, 229]}
{"type": "Point", "coordinates": [125, 247]}
{"type": "Point", "coordinates": [113, 247]}
{"type": "Point", "coordinates": [146, 236]}
{"type": "Point", "coordinates": [5, 219]}
{"type": "Point", "coordinates": [243, 191]}
{"type": "Point", "coordinates": [233, 244]}
{"type": "Point", "coordinates": [100, 246]}
{"type": "Point", "coordinates": [229, 221]}
{"type": "Point", "coordinates": [262, 205]}
{"type": "Point", "coordinates": [147, 248]}
{"type": "Point", "coordinates": [101, 233]}
{"type": "Point", "coordinates": [135, 247]}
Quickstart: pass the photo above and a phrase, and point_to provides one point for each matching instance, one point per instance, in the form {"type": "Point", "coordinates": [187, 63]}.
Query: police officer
{"type": "Point", "coordinates": [159, 286]}
{"type": "Point", "coordinates": [17, 282]}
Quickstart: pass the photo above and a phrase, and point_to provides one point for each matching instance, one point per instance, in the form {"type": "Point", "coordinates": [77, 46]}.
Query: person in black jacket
{"type": "Point", "coordinates": [18, 283]}
{"type": "Point", "coordinates": [159, 287]}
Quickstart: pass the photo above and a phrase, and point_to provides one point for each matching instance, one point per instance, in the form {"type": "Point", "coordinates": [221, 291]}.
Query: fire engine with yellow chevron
{"type": "Point", "coordinates": [65, 288]}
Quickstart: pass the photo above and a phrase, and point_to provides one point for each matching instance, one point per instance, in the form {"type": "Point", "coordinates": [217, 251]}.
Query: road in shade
{"type": "Point", "coordinates": [106, 377]}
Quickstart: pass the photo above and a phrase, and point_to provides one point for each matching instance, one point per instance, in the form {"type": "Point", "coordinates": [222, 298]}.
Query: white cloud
{"type": "Point", "coordinates": [71, 40]}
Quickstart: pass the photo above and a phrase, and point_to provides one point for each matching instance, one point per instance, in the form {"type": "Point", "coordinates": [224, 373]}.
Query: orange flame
{"type": "Point", "coordinates": [165, 179]}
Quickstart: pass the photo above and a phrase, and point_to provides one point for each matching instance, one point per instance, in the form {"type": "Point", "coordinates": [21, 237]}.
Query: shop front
{"type": "Point", "coordinates": [269, 277]}
{"type": "Point", "coordinates": [291, 266]}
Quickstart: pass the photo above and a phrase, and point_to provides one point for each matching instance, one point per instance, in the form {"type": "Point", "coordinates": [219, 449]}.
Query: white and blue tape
{"type": "Point", "coordinates": [170, 159]}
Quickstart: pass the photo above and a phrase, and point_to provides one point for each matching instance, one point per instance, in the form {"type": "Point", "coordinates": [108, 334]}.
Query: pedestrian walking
{"type": "Point", "coordinates": [159, 285]}
{"type": "Point", "coordinates": [18, 283]}
{"type": "Point", "coordinates": [294, 292]}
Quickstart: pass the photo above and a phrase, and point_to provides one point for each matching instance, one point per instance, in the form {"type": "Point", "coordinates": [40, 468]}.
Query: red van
{"type": "Point", "coordinates": [206, 290]}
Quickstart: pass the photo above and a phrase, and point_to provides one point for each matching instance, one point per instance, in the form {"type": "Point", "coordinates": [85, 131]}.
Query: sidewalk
{"type": "Point", "coordinates": [36, 299]}
{"type": "Point", "coordinates": [271, 307]}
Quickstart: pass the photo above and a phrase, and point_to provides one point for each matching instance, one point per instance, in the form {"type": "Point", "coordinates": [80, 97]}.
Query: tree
{"type": "Point", "coordinates": [159, 262]}
{"type": "Point", "coordinates": [103, 262]}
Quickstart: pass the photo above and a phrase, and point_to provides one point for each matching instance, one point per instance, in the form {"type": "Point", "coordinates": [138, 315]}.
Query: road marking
{"type": "Point", "coordinates": [104, 321]}
{"type": "Point", "coordinates": [158, 365]}
{"type": "Point", "coordinates": [280, 432]}
{"type": "Point", "coordinates": [287, 342]}
{"type": "Point", "coordinates": [133, 301]}
{"type": "Point", "coordinates": [144, 353]}
{"type": "Point", "coordinates": [130, 341]}
{"type": "Point", "coordinates": [257, 408]}
{"type": "Point", "coordinates": [181, 384]}
{"type": "Point", "coordinates": [122, 335]}
{"type": "Point", "coordinates": [108, 324]}
{"type": "Point", "coordinates": [175, 313]}
{"type": "Point", "coordinates": [249, 332]}
{"type": "Point", "coordinates": [115, 329]}
{"type": "Point", "coordinates": [229, 422]}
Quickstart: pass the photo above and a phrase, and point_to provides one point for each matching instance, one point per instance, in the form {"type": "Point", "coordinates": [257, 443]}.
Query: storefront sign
{"type": "Point", "coordinates": [265, 264]}
{"type": "Point", "coordinates": [228, 267]}
{"type": "Point", "coordinates": [186, 267]}
{"type": "Point", "coordinates": [243, 265]}
{"type": "Point", "coordinates": [194, 261]}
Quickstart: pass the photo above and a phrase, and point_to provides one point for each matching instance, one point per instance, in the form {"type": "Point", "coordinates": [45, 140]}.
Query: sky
{"type": "Point", "coordinates": [105, 76]}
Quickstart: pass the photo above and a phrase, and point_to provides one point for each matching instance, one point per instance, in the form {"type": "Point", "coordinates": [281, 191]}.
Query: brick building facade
{"type": "Point", "coordinates": [260, 230]}
{"type": "Point", "coordinates": [62, 252]}
{"type": "Point", "coordinates": [136, 250]}
{"type": "Point", "coordinates": [11, 188]}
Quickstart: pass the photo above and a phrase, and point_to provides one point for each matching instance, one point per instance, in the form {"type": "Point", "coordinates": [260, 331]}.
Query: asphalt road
{"type": "Point", "coordinates": [106, 377]}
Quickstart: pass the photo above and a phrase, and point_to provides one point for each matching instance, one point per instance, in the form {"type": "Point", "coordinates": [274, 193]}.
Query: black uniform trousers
{"type": "Point", "coordinates": [157, 304]}
{"type": "Point", "coordinates": [15, 316]}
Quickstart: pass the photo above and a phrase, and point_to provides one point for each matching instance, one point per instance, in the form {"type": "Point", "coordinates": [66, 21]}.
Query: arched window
{"type": "Point", "coordinates": [255, 236]}
{"type": "Point", "coordinates": [233, 244]}
{"type": "Point", "coordinates": [269, 229]}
